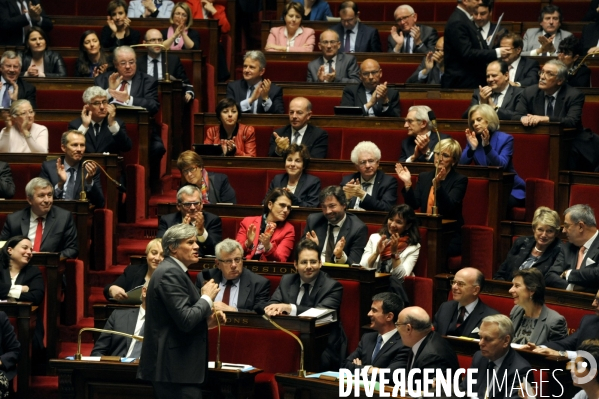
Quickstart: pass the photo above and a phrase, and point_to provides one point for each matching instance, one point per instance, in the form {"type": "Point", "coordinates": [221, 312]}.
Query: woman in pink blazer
{"type": "Point", "coordinates": [292, 36]}
{"type": "Point", "coordinates": [269, 237]}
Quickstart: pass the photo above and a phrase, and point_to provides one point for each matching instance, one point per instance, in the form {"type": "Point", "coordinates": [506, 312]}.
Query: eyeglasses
{"type": "Point", "coordinates": [548, 74]}
{"type": "Point", "coordinates": [189, 171]}
{"type": "Point", "coordinates": [32, 113]}
{"type": "Point", "coordinates": [401, 19]}
{"type": "Point", "coordinates": [367, 74]}
{"type": "Point", "coordinates": [98, 103]}
{"type": "Point", "coordinates": [401, 324]}
{"type": "Point", "coordinates": [229, 262]}
{"type": "Point", "coordinates": [125, 63]}
{"type": "Point", "coordinates": [460, 284]}
{"type": "Point", "coordinates": [368, 161]}
{"type": "Point", "coordinates": [443, 155]}
{"type": "Point", "coordinates": [188, 205]}
{"type": "Point", "coordinates": [329, 42]}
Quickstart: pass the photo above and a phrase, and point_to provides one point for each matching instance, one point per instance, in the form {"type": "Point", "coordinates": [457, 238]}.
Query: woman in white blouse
{"type": "Point", "coordinates": [21, 133]}
{"type": "Point", "coordinates": [395, 248]}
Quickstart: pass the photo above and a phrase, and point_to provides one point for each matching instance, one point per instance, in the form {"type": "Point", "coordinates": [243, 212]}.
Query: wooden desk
{"type": "Point", "coordinates": [112, 380]}
{"type": "Point", "coordinates": [313, 388]}
{"type": "Point", "coordinates": [23, 313]}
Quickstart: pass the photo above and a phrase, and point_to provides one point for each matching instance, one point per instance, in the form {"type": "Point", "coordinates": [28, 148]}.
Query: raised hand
{"type": "Point", "coordinates": [398, 37]}
{"type": "Point", "coordinates": [86, 116]}
{"type": "Point", "coordinates": [471, 138]}
{"type": "Point", "coordinates": [251, 235]}
{"type": "Point", "coordinates": [32, 71]}
{"type": "Point", "coordinates": [429, 63]}
{"type": "Point", "coordinates": [265, 240]}
{"type": "Point", "coordinates": [485, 94]}
{"type": "Point", "coordinates": [199, 219]}
{"type": "Point", "coordinates": [111, 113]}
{"type": "Point", "coordinates": [485, 137]}
{"type": "Point", "coordinates": [90, 168]}
{"type": "Point", "coordinates": [381, 93]}
{"type": "Point", "coordinates": [265, 86]}
{"type": "Point", "coordinates": [281, 142]}
{"type": "Point", "coordinates": [422, 141]}
{"type": "Point", "coordinates": [415, 33]}
{"type": "Point", "coordinates": [338, 251]}
{"type": "Point", "coordinates": [111, 24]}
{"type": "Point", "coordinates": [211, 289]}
{"type": "Point", "coordinates": [61, 172]}
{"type": "Point", "coordinates": [114, 80]}
{"type": "Point", "coordinates": [441, 175]}
{"type": "Point", "coordinates": [311, 235]}
{"type": "Point", "coordinates": [404, 174]}
{"type": "Point", "coordinates": [393, 242]}
{"type": "Point", "coordinates": [14, 96]}
{"type": "Point", "coordinates": [382, 244]}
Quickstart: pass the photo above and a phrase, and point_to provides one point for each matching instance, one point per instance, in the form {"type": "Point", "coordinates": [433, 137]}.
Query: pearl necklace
{"type": "Point", "coordinates": [538, 250]}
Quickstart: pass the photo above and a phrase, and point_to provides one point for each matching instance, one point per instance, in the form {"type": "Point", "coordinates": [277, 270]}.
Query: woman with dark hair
{"type": "Point", "coordinates": [269, 237]}
{"type": "Point", "coordinates": [215, 187]}
{"type": "Point", "coordinates": [292, 36]}
{"type": "Point", "coordinates": [92, 60]}
{"type": "Point", "coordinates": [236, 139]}
{"type": "Point", "coordinates": [180, 36]}
{"type": "Point", "coordinates": [569, 52]}
{"type": "Point", "coordinates": [38, 61]}
{"type": "Point", "coordinates": [118, 32]}
{"type": "Point", "coordinates": [395, 247]}
{"type": "Point", "coordinates": [533, 321]}
{"type": "Point", "coordinates": [304, 188]}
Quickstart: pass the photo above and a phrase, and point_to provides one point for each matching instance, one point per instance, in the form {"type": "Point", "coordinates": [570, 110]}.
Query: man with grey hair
{"type": "Point", "coordinates": [241, 290]}
{"type": "Point", "coordinates": [12, 87]}
{"type": "Point", "coordinates": [369, 188]}
{"type": "Point", "coordinates": [209, 229]}
{"type": "Point", "coordinates": [49, 228]}
{"type": "Point", "coordinates": [65, 173]}
{"type": "Point", "coordinates": [577, 265]}
{"type": "Point", "coordinates": [407, 37]}
{"type": "Point", "coordinates": [418, 146]}
{"type": "Point", "coordinates": [174, 353]}
{"type": "Point", "coordinates": [552, 100]}
{"type": "Point", "coordinates": [497, 362]}
{"type": "Point", "coordinates": [333, 66]}
{"type": "Point", "coordinates": [103, 131]}
{"type": "Point", "coordinates": [254, 94]}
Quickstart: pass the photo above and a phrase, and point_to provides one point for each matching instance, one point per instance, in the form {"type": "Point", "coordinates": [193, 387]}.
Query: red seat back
{"type": "Point", "coordinates": [476, 202]}
{"type": "Point", "coordinates": [419, 291]}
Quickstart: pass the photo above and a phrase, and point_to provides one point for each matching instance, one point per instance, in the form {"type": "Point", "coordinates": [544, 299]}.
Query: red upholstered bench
{"type": "Point", "coordinates": [584, 194]}
{"type": "Point", "coordinates": [388, 141]}
{"type": "Point", "coordinates": [419, 291]}
{"type": "Point", "coordinates": [397, 73]}
{"type": "Point", "coordinates": [446, 109]}
{"type": "Point", "coordinates": [250, 184]}
{"type": "Point", "coordinates": [69, 99]}
{"type": "Point", "coordinates": [531, 163]}
{"type": "Point", "coordinates": [590, 110]}
{"type": "Point", "coordinates": [348, 315]}
{"type": "Point", "coordinates": [21, 174]}
{"type": "Point", "coordinates": [287, 71]}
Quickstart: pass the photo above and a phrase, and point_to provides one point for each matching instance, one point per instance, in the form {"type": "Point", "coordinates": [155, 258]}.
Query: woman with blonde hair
{"type": "Point", "coordinates": [180, 36]}
{"type": "Point", "coordinates": [21, 133]}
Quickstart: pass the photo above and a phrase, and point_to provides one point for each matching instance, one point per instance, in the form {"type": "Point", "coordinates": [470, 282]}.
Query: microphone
{"type": "Point", "coordinates": [433, 119]}
{"type": "Point", "coordinates": [82, 194]}
{"type": "Point", "coordinates": [301, 372]}
{"type": "Point", "coordinates": [206, 275]}
{"type": "Point", "coordinates": [78, 354]}
{"type": "Point", "coordinates": [167, 76]}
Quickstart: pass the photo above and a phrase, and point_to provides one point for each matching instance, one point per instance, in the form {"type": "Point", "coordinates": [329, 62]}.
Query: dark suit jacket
{"type": "Point", "coordinates": [60, 234]}
{"type": "Point", "coordinates": [27, 91]}
{"type": "Point", "coordinates": [12, 22]}
{"type": "Point", "coordinates": [109, 42]}
{"type": "Point", "coordinates": [355, 96]}
{"type": "Point", "coordinates": [520, 252]}
{"type": "Point", "coordinates": [133, 276]}
{"type": "Point", "coordinates": [105, 141]}
{"type": "Point", "coordinates": [94, 194]}
{"type": "Point", "coordinates": [144, 90]}
{"type": "Point", "coordinates": [353, 229]}
{"type": "Point", "coordinates": [238, 89]}
{"type": "Point", "coordinates": [367, 39]}
{"type": "Point", "coordinates": [316, 139]}
{"type": "Point", "coordinates": [30, 276]}
{"type": "Point", "coordinates": [466, 54]}
{"type": "Point", "coordinates": [175, 348]}
{"type": "Point", "coordinates": [54, 66]}
{"type": "Point", "coordinates": [10, 347]}
{"type": "Point", "coordinates": [551, 326]}
{"type": "Point", "coordinates": [254, 290]}
{"type": "Point", "coordinates": [175, 69]}
{"type": "Point", "coordinates": [220, 189]}
{"type": "Point", "coordinates": [435, 353]}
{"type": "Point", "coordinates": [433, 77]}
{"type": "Point", "coordinates": [7, 186]}
{"type": "Point", "coordinates": [306, 191]}
{"type": "Point", "coordinates": [447, 315]}
{"type": "Point", "coordinates": [590, 36]}
{"type": "Point", "coordinates": [346, 69]}
{"type": "Point", "coordinates": [408, 145]}
{"type": "Point", "coordinates": [428, 35]}
{"type": "Point", "coordinates": [393, 355]}
{"type": "Point", "coordinates": [582, 77]}
{"type": "Point", "coordinates": [588, 274]}
{"type": "Point", "coordinates": [508, 106]}
{"type": "Point", "coordinates": [591, 14]}
{"type": "Point", "coordinates": [589, 325]}
{"type": "Point", "coordinates": [122, 320]}
{"type": "Point", "coordinates": [384, 192]}
{"type": "Point", "coordinates": [527, 73]}
{"type": "Point", "coordinates": [567, 108]}
{"type": "Point", "coordinates": [212, 224]}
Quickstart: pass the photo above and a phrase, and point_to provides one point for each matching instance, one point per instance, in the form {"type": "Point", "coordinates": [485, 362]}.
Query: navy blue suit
{"type": "Point", "coordinates": [393, 355]}
{"type": "Point", "coordinates": [589, 325]}
{"type": "Point", "coordinates": [144, 90]}
{"type": "Point", "coordinates": [367, 39]}
{"type": "Point", "coordinates": [355, 96]}
{"type": "Point", "coordinates": [122, 320]}
{"type": "Point", "coordinates": [316, 139]}
{"type": "Point", "coordinates": [104, 141]}
{"type": "Point", "coordinates": [306, 191]}
{"type": "Point", "coordinates": [320, 10]}
{"type": "Point", "coordinates": [384, 192]}
{"type": "Point", "coordinates": [446, 317]}
{"type": "Point", "coordinates": [238, 89]}
{"type": "Point", "coordinates": [212, 224]}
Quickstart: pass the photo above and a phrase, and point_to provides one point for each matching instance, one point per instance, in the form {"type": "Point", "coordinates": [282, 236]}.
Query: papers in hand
{"type": "Point", "coordinates": [322, 315]}
{"type": "Point", "coordinates": [233, 366]}
{"type": "Point", "coordinates": [133, 297]}
{"type": "Point", "coordinates": [119, 104]}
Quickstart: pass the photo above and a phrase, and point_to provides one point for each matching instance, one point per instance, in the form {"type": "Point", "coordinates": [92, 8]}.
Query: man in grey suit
{"type": "Point", "coordinates": [407, 37]}
{"type": "Point", "coordinates": [333, 66]}
{"type": "Point", "coordinates": [545, 40]}
{"type": "Point", "coordinates": [432, 66]}
{"type": "Point", "coordinates": [174, 354]}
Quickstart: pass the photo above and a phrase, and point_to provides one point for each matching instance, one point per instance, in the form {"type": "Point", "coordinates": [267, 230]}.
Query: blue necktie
{"type": "Point", "coordinates": [6, 96]}
{"type": "Point", "coordinates": [377, 348]}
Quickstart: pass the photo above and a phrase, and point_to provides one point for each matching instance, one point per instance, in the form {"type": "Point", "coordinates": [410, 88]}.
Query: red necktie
{"type": "Point", "coordinates": [38, 234]}
{"type": "Point", "coordinates": [227, 294]}
{"type": "Point", "coordinates": [123, 85]}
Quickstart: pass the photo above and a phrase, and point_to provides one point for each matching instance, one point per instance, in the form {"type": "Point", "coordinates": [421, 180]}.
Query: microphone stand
{"type": "Point", "coordinates": [433, 119]}
{"type": "Point", "coordinates": [301, 372]}
{"type": "Point", "coordinates": [82, 194]}
{"type": "Point", "coordinates": [167, 76]}
{"type": "Point", "coordinates": [132, 336]}
{"type": "Point", "coordinates": [217, 364]}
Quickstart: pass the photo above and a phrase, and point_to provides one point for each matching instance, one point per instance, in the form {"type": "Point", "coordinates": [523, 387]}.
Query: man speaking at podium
{"type": "Point", "coordinates": [174, 354]}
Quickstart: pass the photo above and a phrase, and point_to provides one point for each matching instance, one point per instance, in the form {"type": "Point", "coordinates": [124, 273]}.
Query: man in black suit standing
{"type": "Point", "coordinates": [208, 226]}
{"type": "Point", "coordinates": [462, 315]}
{"type": "Point", "coordinates": [382, 348]}
{"type": "Point", "coordinates": [14, 88]}
{"type": "Point", "coordinates": [482, 19]}
{"type": "Point", "coordinates": [407, 37]}
{"type": "Point", "coordinates": [374, 98]}
{"type": "Point", "coordinates": [17, 17]}
{"type": "Point", "coordinates": [254, 94]}
{"type": "Point", "coordinates": [577, 265]}
{"type": "Point", "coordinates": [418, 146]}
{"type": "Point", "coordinates": [523, 71]}
{"type": "Point", "coordinates": [7, 186]}
{"type": "Point", "coordinates": [432, 66]}
{"type": "Point", "coordinates": [590, 38]}
{"type": "Point", "coordinates": [466, 52]}
{"type": "Point", "coordinates": [333, 66]}
{"type": "Point", "coordinates": [340, 236]}
{"type": "Point", "coordinates": [355, 36]}
{"type": "Point", "coordinates": [498, 93]}
{"type": "Point", "coordinates": [154, 64]}
{"type": "Point", "coordinates": [299, 132]}
{"type": "Point", "coordinates": [174, 354]}
{"type": "Point", "coordinates": [241, 290]}
{"type": "Point", "coordinates": [497, 361]}
{"type": "Point", "coordinates": [58, 232]}
{"type": "Point", "coordinates": [103, 131]}
{"type": "Point", "coordinates": [369, 188]}
{"type": "Point", "coordinates": [311, 288]}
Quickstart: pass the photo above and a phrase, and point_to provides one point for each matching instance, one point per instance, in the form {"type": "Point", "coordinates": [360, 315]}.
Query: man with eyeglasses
{"type": "Point", "coordinates": [418, 146]}
{"type": "Point", "coordinates": [355, 36]}
{"type": "Point", "coordinates": [333, 66]}
{"type": "Point", "coordinates": [463, 314]}
{"type": "Point", "coordinates": [103, 131]}
{"type": "Point", "coordinates": [552, 100]}
{"type": "Point", "coordinates": [373, 97]}
{"type": "Point", "coordinates": [241, 290]}
{"type": "Point", "coordinates": [431, 68]}
{"type": "Point", "coordinates": [523, 71]}
{"type": "Point", "coordinates": [407, 37]}
{"type": "Point", "coordinates": [208, 226]}
{"type": "Point", "coordinates": [369, 188]}
{"type": "Point", "coordinates": [14, 88]}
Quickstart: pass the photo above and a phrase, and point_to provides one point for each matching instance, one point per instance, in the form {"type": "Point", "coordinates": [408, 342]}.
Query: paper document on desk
{"type": "Point", "coordinates": [322, 315]}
